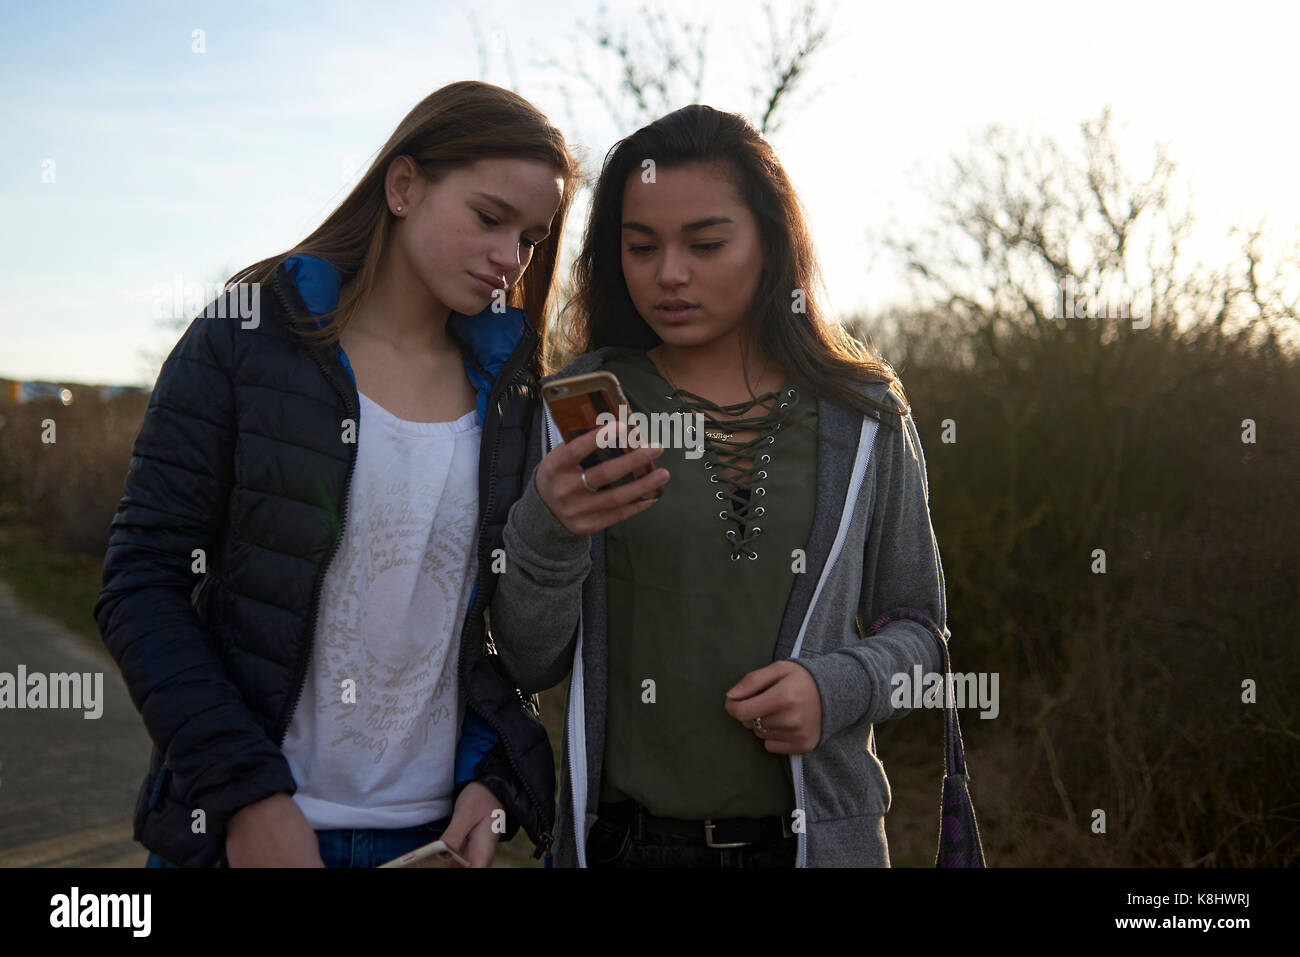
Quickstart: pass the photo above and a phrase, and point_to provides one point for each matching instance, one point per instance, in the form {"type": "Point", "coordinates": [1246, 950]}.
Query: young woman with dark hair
{"type": "Point", "coordinates": [722, 696]}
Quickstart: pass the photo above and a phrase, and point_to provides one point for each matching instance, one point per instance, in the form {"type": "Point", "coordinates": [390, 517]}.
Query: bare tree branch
{"type": "Point", "coordinates": [787, 60]}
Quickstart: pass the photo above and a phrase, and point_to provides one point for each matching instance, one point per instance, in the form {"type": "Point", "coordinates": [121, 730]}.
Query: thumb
{"type": "Point", "coordinates": [481, 846]}
{"type": "Point", "coordinates": [457, 831]}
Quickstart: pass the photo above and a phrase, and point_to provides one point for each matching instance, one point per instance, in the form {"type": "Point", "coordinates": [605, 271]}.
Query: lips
{"type": "Point", "coordinates": [675, 314]}
{"type": "Point", "coordinates": [492, 283]}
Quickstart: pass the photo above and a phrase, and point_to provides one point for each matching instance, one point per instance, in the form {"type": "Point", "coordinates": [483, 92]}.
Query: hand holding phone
{"type": "Point", "coordinates": [586, 486]}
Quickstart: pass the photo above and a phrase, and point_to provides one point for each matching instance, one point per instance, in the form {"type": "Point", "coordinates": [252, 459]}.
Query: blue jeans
{"type": "Point", "coordinates": [362, 848]}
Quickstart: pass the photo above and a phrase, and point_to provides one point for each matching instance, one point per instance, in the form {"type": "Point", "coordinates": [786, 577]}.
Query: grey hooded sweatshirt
{"type": "Point", "coordinates": [871, 549]}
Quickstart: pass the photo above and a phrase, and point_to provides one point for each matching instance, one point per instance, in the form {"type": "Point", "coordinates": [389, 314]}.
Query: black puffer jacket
{"type": "Point", "coordinates": [240, 456]}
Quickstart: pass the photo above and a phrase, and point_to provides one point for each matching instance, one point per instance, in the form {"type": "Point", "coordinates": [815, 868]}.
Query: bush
{"type": "Point", "coordinates": [68, 488]}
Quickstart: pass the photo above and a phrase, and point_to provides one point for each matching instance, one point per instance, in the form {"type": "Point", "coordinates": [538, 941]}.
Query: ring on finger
{"type": "Point", "coordinates": [758, 726]}
{"type": "Point", "coordinates": [585, 485]}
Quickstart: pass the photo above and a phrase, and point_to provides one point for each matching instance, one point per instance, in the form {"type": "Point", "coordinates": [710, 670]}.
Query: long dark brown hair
{"type": "Point", "coordinates": [811, 349]}
{"type": "Point", "coordinates": [451, 127]}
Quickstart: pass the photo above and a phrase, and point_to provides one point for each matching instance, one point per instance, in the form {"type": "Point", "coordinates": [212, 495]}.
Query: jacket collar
{"type": "Point", "coordinates": [491, 338]}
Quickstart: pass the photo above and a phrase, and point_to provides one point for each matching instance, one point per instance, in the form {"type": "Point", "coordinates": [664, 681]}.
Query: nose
{"type": "Point", "coordinates": [672, 268]}
{"type": "Point", "coordinates": [504, 257]}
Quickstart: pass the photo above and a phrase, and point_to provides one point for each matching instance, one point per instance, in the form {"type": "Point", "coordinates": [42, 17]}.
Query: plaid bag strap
{"type": "Point", "coordinates": [959, 836]}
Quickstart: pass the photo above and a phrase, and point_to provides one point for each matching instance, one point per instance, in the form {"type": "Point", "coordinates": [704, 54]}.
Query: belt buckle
{"type": "Point", "coordinates": [708, 837]}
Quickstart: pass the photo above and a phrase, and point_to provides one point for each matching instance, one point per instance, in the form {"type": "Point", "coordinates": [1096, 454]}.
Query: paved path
{"type": "Point", "coordinates": [67, 784]}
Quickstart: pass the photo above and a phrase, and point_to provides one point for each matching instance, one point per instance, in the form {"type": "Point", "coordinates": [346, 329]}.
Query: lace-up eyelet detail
{"type": "Point", "coordinates": [727, 455]}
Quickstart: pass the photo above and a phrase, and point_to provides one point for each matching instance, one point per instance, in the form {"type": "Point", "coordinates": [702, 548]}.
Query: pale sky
{"type": "Point", "coordinates": [167, 162]}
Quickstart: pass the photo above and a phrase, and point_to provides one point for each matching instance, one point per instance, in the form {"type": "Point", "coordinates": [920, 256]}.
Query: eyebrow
{"type": "Point", "coordinates": [511, 211]}
{"type": "Point", "coordinates": [689, 227]}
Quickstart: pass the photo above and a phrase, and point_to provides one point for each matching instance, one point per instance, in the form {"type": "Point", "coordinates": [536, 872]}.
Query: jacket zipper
{"type": "Point", "coordinates": [301, 673]}
{"type": "Point", "coordinates": [546, 839]}
{"type": "Point", "coordinates": [301, 668]}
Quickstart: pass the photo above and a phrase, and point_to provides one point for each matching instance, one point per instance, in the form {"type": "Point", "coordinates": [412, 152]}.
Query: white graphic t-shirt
{"type": "Point", "coordinates": [392, 606]}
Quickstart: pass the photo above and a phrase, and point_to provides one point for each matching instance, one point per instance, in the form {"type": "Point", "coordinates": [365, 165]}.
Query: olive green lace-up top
{"type": "Point", "coordinates": [697, 586]}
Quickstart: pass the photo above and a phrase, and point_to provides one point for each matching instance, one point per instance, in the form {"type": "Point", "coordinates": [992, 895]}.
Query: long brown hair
{"type": "Point", "coordinates": [451, 127]}
{"type": "Point", "coordinates": [812, 350]}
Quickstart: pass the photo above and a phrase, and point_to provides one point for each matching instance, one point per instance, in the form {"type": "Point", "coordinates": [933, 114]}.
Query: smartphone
{"type": "Point", "coordinates": [576, 401]}
{"type": "Point", "coordinates": [436, 854]}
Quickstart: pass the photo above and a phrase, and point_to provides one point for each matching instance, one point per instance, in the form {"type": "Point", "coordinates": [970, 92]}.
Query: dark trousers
{"type": "Point", "coordinates": [617, 845]}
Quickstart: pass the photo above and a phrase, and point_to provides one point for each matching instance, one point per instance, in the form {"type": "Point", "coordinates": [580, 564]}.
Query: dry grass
{"type": "Point", "coordinates": [1120, 692]}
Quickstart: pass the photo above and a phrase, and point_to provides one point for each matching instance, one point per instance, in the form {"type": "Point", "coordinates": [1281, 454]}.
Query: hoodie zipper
{"type": "Point", "coordinates": [866, 439]}
{"type": "Point", "coordinates": [579, 813]}
{"type": "Point", "coordinates": [300, 673]}
{"type": "Point", "coordinates": [546, 839]}
{"type": "Point", "coordinates": [577, 690]}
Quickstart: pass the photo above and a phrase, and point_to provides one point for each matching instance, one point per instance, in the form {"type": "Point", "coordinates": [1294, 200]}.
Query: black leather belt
{"type": "Point", "coordinates": [724, 832]}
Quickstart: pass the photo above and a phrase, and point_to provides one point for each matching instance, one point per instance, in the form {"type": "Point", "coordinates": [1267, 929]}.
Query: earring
{"type": "Point", "coordinates": [399, 209]}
